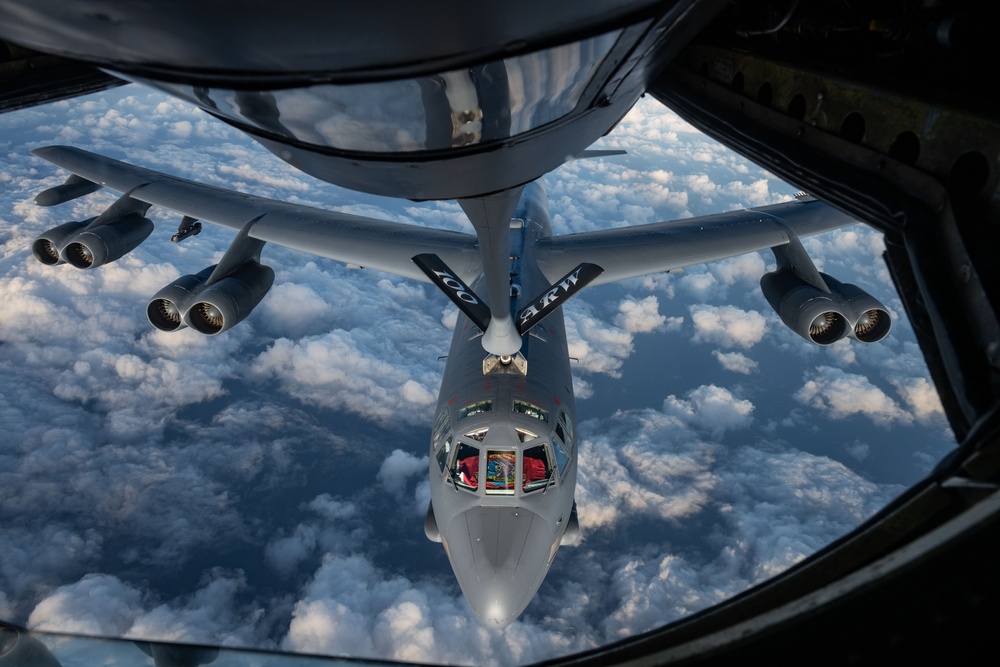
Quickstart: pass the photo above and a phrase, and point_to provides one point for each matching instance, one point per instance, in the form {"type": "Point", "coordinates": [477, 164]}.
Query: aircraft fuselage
{"type": "Point", "coordinates": [503, 448]}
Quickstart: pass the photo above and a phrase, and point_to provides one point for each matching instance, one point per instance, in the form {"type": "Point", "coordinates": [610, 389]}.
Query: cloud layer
{"type": "Point", "coordinates": [266, 487]}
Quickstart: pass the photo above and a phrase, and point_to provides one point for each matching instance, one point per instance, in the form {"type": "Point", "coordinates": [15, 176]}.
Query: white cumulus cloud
{"type": "Point", "coordinates": [922, 399]}
{"type": "Point", "coordinates": [599, 347]}
{"type": "Point", "coordinates": [642, 316]}
{"type": "Point", "coordinates": [710, 408]}
{"type": "Point", "coordinates": [839, 394]}
{"type": "Point", "coordinates": [728, 326]}
{"type": "Point", "coordinates": [736, 362]}
{"type": "Point", "coordinates": [98, 604]}
{"type": "Point", "coordinates": [275, 443]}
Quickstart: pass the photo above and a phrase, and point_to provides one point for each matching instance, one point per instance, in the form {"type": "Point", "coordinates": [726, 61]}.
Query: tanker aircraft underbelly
{"type": "Point", "coordinates": [503, 450]}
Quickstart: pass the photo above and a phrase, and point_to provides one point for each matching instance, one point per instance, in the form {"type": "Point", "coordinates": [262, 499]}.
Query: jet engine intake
{"type": "Point", "coordinates": [166, 309]}
{"type": "Point", "coordinates": [870, 321]}
{"type": "Point", "coordinates": [212, 308]}
{"type": "Point", "coordinates": [46, 247]}
{"type": "Point", "coordinates": [227, 302]}
{"type": "Point", "coordinates": [821, 317]}
{"type": "Point", "coordinates": [105, 243]}
{"type": "Point", "coordinates": [807, 310]}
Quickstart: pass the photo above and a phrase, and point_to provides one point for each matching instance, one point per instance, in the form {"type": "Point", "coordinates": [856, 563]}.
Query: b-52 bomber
{"type": "Point", "coordinates": [876, 107]}
{"type": "Point", "coordinates": [504, 441]}
{"type": "Point", "coordinates": [431, 102]}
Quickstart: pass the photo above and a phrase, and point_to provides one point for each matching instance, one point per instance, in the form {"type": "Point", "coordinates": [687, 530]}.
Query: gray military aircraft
{"type": "Point", "coordinates": [877, 107]}
{"type": "Point", "coordinates": [504, 442]}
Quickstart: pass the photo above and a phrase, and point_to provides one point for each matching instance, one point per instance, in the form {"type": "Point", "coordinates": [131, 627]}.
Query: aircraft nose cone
{"type": "Point", "coordinates": [495, 605]}
{"type": "Point", "coordinates": [500, 556]}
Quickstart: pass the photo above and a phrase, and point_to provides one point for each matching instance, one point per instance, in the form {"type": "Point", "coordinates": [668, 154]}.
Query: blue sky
{"type": "Point", "coordinates": [266, 487]}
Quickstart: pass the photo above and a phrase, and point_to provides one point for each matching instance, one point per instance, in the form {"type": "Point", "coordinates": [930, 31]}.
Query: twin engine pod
{"type": "Point", "coordinates": [821, 317]}
{"type": "Point", "coordinates": [210, 304]}
{"type": "Point", "coordinates": [84, 248]}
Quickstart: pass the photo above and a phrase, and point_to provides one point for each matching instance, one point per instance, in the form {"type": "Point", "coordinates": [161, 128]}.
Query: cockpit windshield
{"type": "Point", "coordinates": [501, 467]}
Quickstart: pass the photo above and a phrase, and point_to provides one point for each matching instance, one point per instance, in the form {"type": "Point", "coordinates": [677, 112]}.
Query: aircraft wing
{"type": "Point", "coordinates": [352, 239]}
{"type": "Point", "coordinates": [628, 252]}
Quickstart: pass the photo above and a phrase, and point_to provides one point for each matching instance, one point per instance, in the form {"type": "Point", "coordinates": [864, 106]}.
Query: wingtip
{"type": "Point", "coordinates": [42, 151]}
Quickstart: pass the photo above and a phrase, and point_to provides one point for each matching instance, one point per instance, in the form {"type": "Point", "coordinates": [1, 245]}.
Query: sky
{"type": "Point", "coordinates": [267, 487]}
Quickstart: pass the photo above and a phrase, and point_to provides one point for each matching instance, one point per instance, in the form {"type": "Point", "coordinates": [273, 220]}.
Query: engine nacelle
{"type": "Point", "coordinates": [870, 321]}
{"type": "Point", "coordinates": [805, 309]}
{"type": "Point", "coordinates": [431, 526]}
{"type": "Point", "coordinates": [572, 537]}
{"type": "Point", "coordinates": [210, 309]}
{"type": "Point", "coordinates": [166, 309]}
{"type": "Point", "coordinates": [106, 243]}
{"type": "Point", "coordinates": [46, 247]}
{"type": "Point", "coordinates": [225, 303]}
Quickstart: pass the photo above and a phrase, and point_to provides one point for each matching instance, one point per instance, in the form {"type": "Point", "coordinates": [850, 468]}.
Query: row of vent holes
{"type": "Point", "coordinates": [968, 175]}
{"type": "Point", "coordinates": [905, 148]}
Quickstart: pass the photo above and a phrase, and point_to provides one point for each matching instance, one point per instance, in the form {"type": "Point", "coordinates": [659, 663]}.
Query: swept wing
{"type": "Point", "coordinates": [352, 239]}
{"type": "Point", "coordinates": [628, 252]}
{"type": "Point", "coordinates": [622, 253]}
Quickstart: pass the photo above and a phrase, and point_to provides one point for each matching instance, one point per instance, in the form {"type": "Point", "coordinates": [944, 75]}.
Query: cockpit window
{"type": "Point", "coordinates": [531, 410]}
{"type": "Point", "coordinates": [568, 425]}
{"type": "Point", "coordinates": [441, 439]}
{"type": "Point", "coordinates": [501, 472]}
{"type": "Point", "coordinates": [482, 104]}
{"type": "Point", "coordinates": [524, 435]}
{"type": "Point", "coordinates": [440, 428]}
{"type": "Point", "coordinates": [478, 435]}
{"type": "Point", "coordinates": [562, 455]}
{"type": "Point", "coordinates": [465, 472]}
{"type": "Point", "coordinates": [537, 469]}
{"type": "Point", "coordinates": [444, 452]}
{"type": "Point", "coordinates": [563, 442]}
{"type": "Point", "coordinates": [475, 409]}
